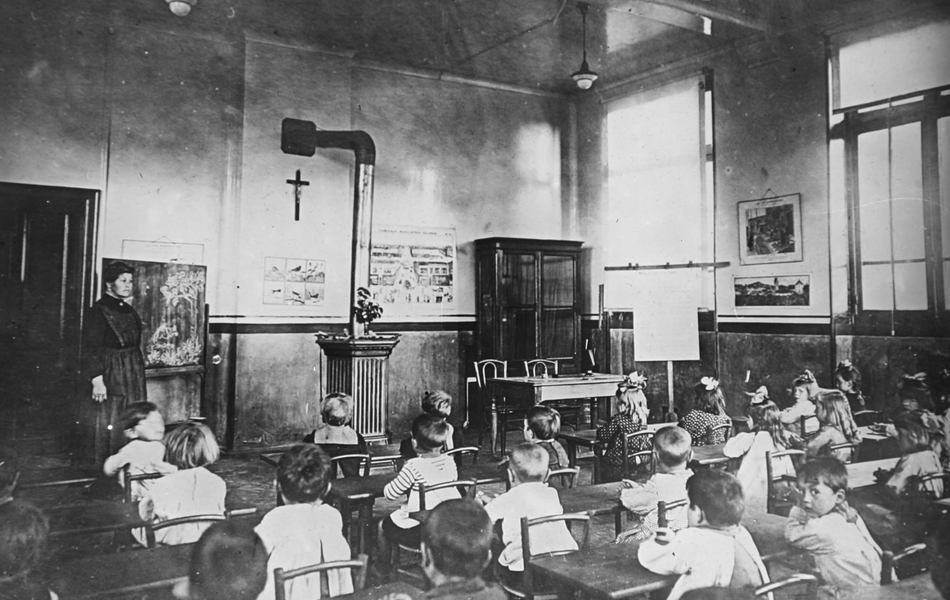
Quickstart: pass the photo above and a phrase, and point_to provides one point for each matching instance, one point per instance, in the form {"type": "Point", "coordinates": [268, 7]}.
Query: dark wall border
{"type": "Point", "coordinates": [319, 326]}
{"type": "Point", "coordinates": [776, 328]}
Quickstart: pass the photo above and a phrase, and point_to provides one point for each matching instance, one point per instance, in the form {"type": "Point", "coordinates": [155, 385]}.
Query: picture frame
{"type": "Point", "coordinates": [770, 230]}
{"type": "Point", "coordinates": [772, 291]}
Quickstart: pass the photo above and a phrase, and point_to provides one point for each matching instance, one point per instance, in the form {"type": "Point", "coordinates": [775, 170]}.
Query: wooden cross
{"type": "Point", "coordinates": [297, 183]}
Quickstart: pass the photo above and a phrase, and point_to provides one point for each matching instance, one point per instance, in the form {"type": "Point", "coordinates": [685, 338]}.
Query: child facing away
{"type": "Point", "coordinates": [529, 497]}
{"type": "Point", "coordinates": [193, 490]}
{"type": "Point", "coordinates": [672, 448]}
{"type": "Point", "coordinates": [144, 452]}
{"type": "Point", "coordinates": [429, 467]}
{"type": "Point", "coordinates": [917, 456]}
{"type": "Point", "coordinates": [229, 562]}
{"type": "Point", "coordinates": [437, 404]}
{"type": "Point", "coordinates": [715, 550]}
{"type": "Point", "coordinates": [848, 382]}
{"type": "Point", "coordinates": [914, 395]}
{"type": "Point", "coordinates": [335, 436]}
{"type": "Point", "coordinates": [456, 548]}
{"type": "Point", "coordinates": [304, 531]}
{"type": "Point", "coordinates": [707, 411]}
{"type": "Point", "coordinates": [541, 426]}
{"type": "Point", "coordinates": [833, 533]}
{"type": "Point", "coordinates": [837, 426]}
{"type": "Point", "coordinates": [24, 535]}
{"type": "Point", "coordinates": [804, 387]}
{"type": "Point", "coordinates": [631, 417]}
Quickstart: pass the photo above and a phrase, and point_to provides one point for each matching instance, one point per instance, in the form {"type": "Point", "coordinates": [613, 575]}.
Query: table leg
{"type": "Point", "coordinates": [494, 429]}
{"type": "Point", "coordinates": [346, 514]}
{"type": "Point", "coordinates": [571, 453]}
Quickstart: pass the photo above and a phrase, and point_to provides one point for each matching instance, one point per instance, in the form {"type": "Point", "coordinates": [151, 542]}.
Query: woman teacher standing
{"type": "Point", "coordinates": [112, 354]}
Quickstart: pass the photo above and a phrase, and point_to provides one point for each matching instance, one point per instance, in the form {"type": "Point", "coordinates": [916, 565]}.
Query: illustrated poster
{"type": "Point", "coordinates": [294, 281]}
{"type": "Point", "coordinates": [412, 269]}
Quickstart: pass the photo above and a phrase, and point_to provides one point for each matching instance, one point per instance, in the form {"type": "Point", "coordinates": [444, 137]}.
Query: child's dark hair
{"type": "Point", "coordinates": [191, 445]}
{"type": "Point", "coordinates": [336, 409]}
{"type": "Point", "coordinates": [458, 536]}
{"type": "Point", "coordinates": [429, 432]}
{"type": "Point", "coordinates": [229, 562]}
{"type": "Point", "coordinates": [848, 372]}
{"type": "Point", "coordinates": [673, 445]}
{"type": "Point", "coordinates": [710, 401]}
{"type": "Point", "coordinates": [827, 470]}
{"type": "Point", "coordinates": [718, 494]}
{"type": "Point", "coordinates": [911, 427]}
{"type": "Point", "coordinates": [24, 532]}
{"type": "Point", "coordinates": [437, 403]}
{"type": "Point", "coordinates": [543, 421]}
{"type": "Point", "coordinates": [135, 413]}
{"type": "Point", "coordinates": [914, 387]}
{"type": "Point", "coordinates": [303, 473]}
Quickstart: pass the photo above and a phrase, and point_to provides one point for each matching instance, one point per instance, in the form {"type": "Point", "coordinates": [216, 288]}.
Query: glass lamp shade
{"type": "Point", "coordinates": [180, 8]}
{"type": "Point", "coordinates": [584, 77]}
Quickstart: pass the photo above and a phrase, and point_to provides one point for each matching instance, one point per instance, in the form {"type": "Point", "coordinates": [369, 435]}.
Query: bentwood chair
{"type": "Point", "coordinates": [851, 447]}
{"type": "Point", "coordinates": [357, 568]}
{"type": "Point", "coordinates": [571, 520]}
{"type": "Point", "coordinates": [490, 409]}
{"type": "Point", "coordinates": [808, 582]}
{"type": "Point", "coordinates": [128, 478]}
{"type": "Point", "coordinates": [638, 453]}
{"type": "Point", "coordinates": [775, 503]}
{"type": "Point", "coordinates": [546, 367]}
{"type": "Point", "coordinates": [664, 510]}
{"type": "Point", "coordinates": [889, 561]}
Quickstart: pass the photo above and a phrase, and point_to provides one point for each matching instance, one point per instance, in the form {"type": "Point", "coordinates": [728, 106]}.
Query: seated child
{"type": "Point", "coordinates": [530, 497]}
{"type": "Point", "coordinates": [837, 426]}
{"type": "Point", "coordinates": [631, 417]}
{"type": "Point", "coordinates": [917, 456]}
{"type": "Point", "coordinates": [437, 404]}
{"type": "Point", "coordinates": [24, 533]}
{"type": "Point", "coordinates": [759, 396]}
{"type": "Point", "coordinates": [915, 397]}
{"type": "Point", "coordinates": [715, 550]}
{"type": "Point", "coordinates": [456, 547]}
{"type": "Point", "coordinates": [831, 531]}
{"type": "Point", "coordinates": [193, 490]}
{"type": "Point", "coordinates": [541, 426]}
{"type": "Point", "coordinates": [672, 448]}
{"type": "Point", "coordinates": [304, 531]}
{"type": "Point", "coordinates": [335, 436]}
{"type": "Point", "coordinates": [707, 411]}
{"type": "Point", "coordinates": [430, 467]}
{"type": "Point", "coordinates": [144, 453]}
{"type": "Point", "coordinates": [766, 435]}
{"type": "Point", "coordinates": [848, 382]}
{"type": "Point", "coordinates": [802, 388]}
{"type": "Point", "coordinates": [228, 563]}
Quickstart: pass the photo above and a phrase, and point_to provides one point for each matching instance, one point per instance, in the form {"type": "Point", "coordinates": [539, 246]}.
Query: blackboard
{"type": "Point", "coordinates": [170, 298]}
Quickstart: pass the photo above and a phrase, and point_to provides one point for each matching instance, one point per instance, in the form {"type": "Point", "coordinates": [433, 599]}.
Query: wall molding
{"type": "Point", "coordinates": [317, 326]}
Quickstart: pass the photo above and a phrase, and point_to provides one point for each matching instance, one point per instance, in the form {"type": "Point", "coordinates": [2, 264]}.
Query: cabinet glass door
{"type": "Point", "coordinates": [558, 333]}
{"type": "Point", "coordinates": [519, 306]}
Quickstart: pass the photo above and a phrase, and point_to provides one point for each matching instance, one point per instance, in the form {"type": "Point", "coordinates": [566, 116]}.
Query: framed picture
{"type": "Point", "coordinates": [784, 291]}
{"type": "Point", "coordinates": [770, 230]}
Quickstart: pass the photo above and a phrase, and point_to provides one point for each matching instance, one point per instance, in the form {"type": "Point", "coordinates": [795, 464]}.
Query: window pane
{"type": "Point", "coordinates": [839, 227]}
{"type": "Point", "coordinates": [911, 286]}
{"type": "Point", "coordinates": [907, 192]}
{"type": "Point", "coordinates": [943, 150]}
{"type": "Point", "coordinates": [876, 287]}
{"type": "Point", "coordinates": [873, 193]}
{"type": "Point", "coordinates": [946, 284]}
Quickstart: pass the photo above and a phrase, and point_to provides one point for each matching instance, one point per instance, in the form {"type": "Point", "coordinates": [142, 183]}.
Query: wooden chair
{"type": "Point", "coordinates": [151, 527]}
{"type": "Point", "coordinates": [363, 465]}
{"type": "Point", "coordinates": [936, 485]}
{"type": "Point", "coordinates": [642, 439]}
{"type": "Point", "coordinates": [487, 405]}
{"type": "Point", "coordinates": [567, 476]}
{"type": "Point", "coordinates": [128, 478]}
{"type": "Point", "coordinates": [461, 452]}
{"type": "Point", "coordinates": [570, 519]}
{"type": "Point", "coordinates": [663, 510]}
{"type": "Point", "coordinates": [545, 367]}
{"type": "Point", "coordinates": [852, 447]}
{"type": "Point", "coordinates": [863, 418]}
{"type": "Point", "coordinates": [889, 561]}
{"type": "Point", "coordinates": [713, 434]}
{"type": "Point", "coordinates": [773, 502]}
{"type": "Point", "coordinates": [281, 577]}
{"type": "Point", "coordinates": [809, 583]}
{"type": "Point", "coordinates": [802, 424]}
{"type": "Point", "coordinates": [414, 571]}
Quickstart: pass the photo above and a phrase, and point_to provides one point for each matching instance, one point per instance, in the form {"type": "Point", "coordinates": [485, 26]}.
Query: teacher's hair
{"type": "Point", "coordinates": [115, 269]}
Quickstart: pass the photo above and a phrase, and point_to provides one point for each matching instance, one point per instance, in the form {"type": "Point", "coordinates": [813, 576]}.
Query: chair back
{"type": "Point", "coordinates": [889, 560]}
{"type": "Point", "coordinates": [809, 584]}
{"type": "Point", "coordinates": [803, 426]}
{"type": "Point", "coordinates": [281, 577]}
{"type": "Point", "coordinates": [128, 478]}
{"type": "Point", "coordinates": [935, 485]}
{"type": "Point", "coordinates": [851, 447]}
{"type": "Point", "coordinates": [663, 508]}
{"type": "Point", "coordinates": [151, 527]}
{"type": "Point", "coordinates": [566, 476]}
{"type": "Point", "coordinates": [469, 486]}
{"type": "Point", "coordinates": [713, 435]}
{"type": "Point", "coordinates": [463, 451]}
{"type": "Point", "coordinates": [540, 367]}
{"type": "Point", "coordinates": [773, 503]}
{"type": "Point", "coordinates": [362, 461]}
{"type": "Point", "coordinates": [863, 418]}
{"type": "Point", "coordinates": [638, 450]}
{"type": "Point", "coordinates": [489, 369]}
{"type": "Point", "coordinates": [569, 519]}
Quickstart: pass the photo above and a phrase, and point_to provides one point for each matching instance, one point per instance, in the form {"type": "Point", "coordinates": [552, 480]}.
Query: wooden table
{"type": "Point", "coordinates": [137, 570]}
{"type": "Point", "coordinates": [876, 445]}
{"type": "Point", "coordinates": [613, 571]}
{"type": "Point", "coordinates": [918, 587]}
{"type": "Point", "coordinates": [525, 392]}
{"type": "Point", "coordinates": [598, 499]}
{"type": "Point", "coordinates": [862, 474]}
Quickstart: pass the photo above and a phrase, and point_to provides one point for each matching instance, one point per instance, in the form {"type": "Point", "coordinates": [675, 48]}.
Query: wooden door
{"type": "Point", "coordinates": [46, 254]}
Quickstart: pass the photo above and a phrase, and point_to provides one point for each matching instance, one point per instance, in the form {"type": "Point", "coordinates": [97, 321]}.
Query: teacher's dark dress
{"type": "Point", "coordinates": [112, 339]}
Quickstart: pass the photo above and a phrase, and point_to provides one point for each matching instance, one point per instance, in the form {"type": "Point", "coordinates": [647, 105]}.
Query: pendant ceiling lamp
{"type": "Point", "coordinates": [181, 7]}
{"type": "Point", "coordinates": [584, 77]}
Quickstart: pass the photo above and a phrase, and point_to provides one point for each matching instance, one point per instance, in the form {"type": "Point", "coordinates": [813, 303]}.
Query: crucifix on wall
{"type": "Point", "coordinates": [297, 183]}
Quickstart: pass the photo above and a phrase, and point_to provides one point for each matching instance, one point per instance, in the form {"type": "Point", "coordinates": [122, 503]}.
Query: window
{"type": "Point", "coordinates": [890, 167]}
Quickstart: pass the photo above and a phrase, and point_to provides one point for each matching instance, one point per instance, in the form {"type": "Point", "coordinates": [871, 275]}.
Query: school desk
{"type": "Point", "coordinates": [397, 590]}
{"type": "Point", "coordinates": [612, 571]}
{"type": "Point", "coordinates": [918, 587]}
{"type": "Point", "coordinates": [525, 392]}
{"type": "Point", "coordinates": [598, 499]}
{"type": "Point", "coordinates": [135, 570]}
{"type": "Point", "coordinates": [875, 444]}
{"type": "Point", "coordinates": [861, 474]}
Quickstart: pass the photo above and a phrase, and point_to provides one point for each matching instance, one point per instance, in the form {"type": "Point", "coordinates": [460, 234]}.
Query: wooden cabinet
{"type": "Point", "coordinates": [528, 301]}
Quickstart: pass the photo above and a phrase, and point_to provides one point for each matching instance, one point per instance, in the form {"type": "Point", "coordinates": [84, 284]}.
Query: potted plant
{"type": "Point", "coordinates": [366, 311]}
